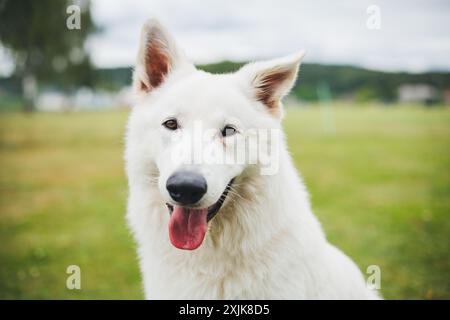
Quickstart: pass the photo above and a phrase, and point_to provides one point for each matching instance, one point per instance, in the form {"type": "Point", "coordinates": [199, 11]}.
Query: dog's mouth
{"type": "Point", "coordinates": [187, 226]}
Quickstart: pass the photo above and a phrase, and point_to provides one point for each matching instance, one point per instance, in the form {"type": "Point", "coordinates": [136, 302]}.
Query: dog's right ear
{"type": "Point", "coordinates": [158, 57]}
{"type": "Point", "coordinates": [269, 81]}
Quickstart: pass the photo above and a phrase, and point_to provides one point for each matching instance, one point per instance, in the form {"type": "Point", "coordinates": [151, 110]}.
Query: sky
{"type": "Point", "coordinates": [412, 36]}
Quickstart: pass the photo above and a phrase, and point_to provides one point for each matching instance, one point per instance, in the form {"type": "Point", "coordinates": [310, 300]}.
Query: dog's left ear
{"type": "Point", "coordinates": [158, 57]}
{"type": "Point", "coordinates": [269, 81]}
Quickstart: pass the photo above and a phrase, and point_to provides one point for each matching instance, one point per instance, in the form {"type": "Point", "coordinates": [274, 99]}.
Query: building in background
{"type": "Point", "coordinates": [84, 99]}
{"type": "Point", "coordinates": [418, 93]}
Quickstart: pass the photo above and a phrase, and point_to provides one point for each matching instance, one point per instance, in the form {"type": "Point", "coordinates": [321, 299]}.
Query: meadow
{"type": "Point", "coordinates": [378, 176]}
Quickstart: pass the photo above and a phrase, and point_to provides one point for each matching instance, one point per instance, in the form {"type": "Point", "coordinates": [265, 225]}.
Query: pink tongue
{"type": "Point", "coordinates": [187, 227]}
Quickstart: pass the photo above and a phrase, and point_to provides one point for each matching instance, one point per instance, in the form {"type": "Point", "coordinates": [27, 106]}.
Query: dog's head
{"type": "Point", "coordinates": [191, 132]}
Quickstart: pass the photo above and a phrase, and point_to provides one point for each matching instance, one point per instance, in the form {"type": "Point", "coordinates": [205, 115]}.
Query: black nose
{"type": "Point", "coordinates": [186, 187]}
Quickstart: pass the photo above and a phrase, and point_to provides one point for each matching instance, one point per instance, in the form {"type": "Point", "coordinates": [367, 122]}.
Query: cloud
{"type": "Point", "coordinates": [414, 35]}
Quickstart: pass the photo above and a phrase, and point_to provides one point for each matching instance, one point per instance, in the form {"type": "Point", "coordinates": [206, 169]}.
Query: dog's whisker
{"type": "Point", "coordinates": [236, 194]}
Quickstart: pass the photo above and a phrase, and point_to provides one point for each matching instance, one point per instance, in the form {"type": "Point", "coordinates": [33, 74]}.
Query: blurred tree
{"type": "Point", "coordinates": [367, 94]}
{"type": "Point", "coordinates": [42, 45]}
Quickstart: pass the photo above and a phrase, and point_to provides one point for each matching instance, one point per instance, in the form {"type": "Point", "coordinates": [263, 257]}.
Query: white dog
{"type": "Point", "coordinates": [254, 234]}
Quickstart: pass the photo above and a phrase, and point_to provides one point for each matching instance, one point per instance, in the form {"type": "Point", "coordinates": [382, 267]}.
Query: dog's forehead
{"type": "Point", "coordinates": [213, 98]}
{"type": "Point", "coordinates": [202, 89]}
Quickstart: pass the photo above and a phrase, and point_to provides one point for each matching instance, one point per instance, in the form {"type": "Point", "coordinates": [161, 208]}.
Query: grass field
{"type": "Point", "coordinates": [380, 185]}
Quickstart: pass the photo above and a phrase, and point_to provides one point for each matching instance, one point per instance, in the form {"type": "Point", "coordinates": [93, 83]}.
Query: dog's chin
{"type": "Point", "coordinates": [188, 225]}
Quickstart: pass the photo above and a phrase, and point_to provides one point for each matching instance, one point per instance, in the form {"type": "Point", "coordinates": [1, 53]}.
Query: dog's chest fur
{"type": "Point", "coordinates": [270, 247]}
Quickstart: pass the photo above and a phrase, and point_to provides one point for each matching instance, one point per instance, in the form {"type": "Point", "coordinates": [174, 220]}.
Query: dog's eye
{"type": "Point", "coordinates": [171, 124]}
{"type": "Point", "coordinates": [228, 130]}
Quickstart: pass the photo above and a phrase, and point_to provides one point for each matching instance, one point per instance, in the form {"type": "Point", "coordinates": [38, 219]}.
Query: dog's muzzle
{"type": "Point", "coordinates": [188, 225]}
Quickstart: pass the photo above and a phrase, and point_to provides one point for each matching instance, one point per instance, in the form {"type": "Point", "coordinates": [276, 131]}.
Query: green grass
{"type": "Point", "coordinates": [380, 185]}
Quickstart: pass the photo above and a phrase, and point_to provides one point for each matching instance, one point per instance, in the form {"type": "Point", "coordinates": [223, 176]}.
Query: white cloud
{"type": "Point", "coordinates": [414, 35]}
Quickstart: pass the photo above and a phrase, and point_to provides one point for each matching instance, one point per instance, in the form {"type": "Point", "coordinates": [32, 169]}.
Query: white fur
{"type": "Point", "coordinates": [265, 242]}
